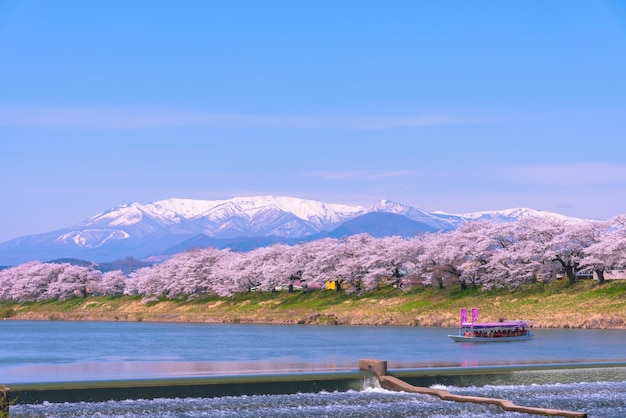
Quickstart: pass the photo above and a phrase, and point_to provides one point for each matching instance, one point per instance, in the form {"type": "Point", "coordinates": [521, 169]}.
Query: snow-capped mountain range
{"type": "Point", "coordinates": [172, 225]}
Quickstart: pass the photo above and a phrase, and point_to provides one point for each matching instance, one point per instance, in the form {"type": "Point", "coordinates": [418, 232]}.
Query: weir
{"type": "Point", "coordinates": [200, 387]}
{"type": "Point", "coordinates": [379, 367]}
{"type": "Point", "coordinates": [408, 380]}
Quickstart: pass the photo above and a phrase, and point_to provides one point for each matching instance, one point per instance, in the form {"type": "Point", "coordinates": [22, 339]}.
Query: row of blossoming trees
{"type": "Point", "coordinates": [488, 254]}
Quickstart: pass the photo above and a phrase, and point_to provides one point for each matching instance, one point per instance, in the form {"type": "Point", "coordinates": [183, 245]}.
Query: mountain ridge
{"type": "Point", "coordinates": [170, 225]}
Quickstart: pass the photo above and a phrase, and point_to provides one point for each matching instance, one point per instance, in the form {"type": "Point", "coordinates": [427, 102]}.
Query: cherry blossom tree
{"type": "Point", "coordinates": [508, 265]}
{"type": "Point", "coordinates": [381, 260]}
{"type": "Point", "coordinates": [41, 281]}
{"type": "Point", "coordinates": [71, 281]}
{"type": "Point", "coordinates": [534, 250]}
{"type": "Point", "coordinates": [568, 244]}
{"type": "Point", "coordinates": [147, 281]}
{"type": "Point", "coordinates": [194, 272]}
{"type": "Point", "coordinates": [111, 284]}
{"type": "Point", "coordinates": [347, 261]}
{"type": "Point", "coordinates": [228, 274]}
{"type": "Point", "coordinates": [606, 246]}
{"type": "Point", "coordinates": [273, 265]}
{"type": "Point", "coordinates": [243, 270]}
{"type": "Point", "coordinates": [32, 280]}
{"type": "Point", "coordinates": [318, 261]}
{"type": "Point", "coordinates": [476, 242]}
{"type": "Point", "coordinates": [443, 259]}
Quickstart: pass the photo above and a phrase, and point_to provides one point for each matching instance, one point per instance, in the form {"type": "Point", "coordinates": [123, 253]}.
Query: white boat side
{"type": "Point", "coordinates": [462, 338]}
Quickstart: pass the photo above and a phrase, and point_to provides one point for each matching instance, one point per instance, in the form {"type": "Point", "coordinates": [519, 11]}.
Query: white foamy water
{"type": "Point", "coordinates": [598, 399]}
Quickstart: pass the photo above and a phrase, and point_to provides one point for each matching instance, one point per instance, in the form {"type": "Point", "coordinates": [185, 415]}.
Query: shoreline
{"type": "Point", "coordinates": [585, 305]}
{"type": "Point", "coordinates": [609, 323]}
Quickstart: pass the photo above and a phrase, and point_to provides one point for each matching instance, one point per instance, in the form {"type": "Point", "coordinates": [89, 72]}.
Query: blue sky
{"type": "Point", "coordinates": [445, 105]}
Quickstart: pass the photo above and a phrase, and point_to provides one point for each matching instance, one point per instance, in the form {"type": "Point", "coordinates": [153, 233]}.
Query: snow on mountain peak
{"type": "Point", "coordinates": [312, 209]}
{"type": "Point", "coordinates": [389, 205]}
{"type": "Point", "coordinates": [174, 211]}
{"type": "Point", "coordinates": [179, 209]}
{"type": "Point", "coordinates": [309, 210]}
{"type": "Point", "coordinates": [92, 238]}
{"type": "Point", "coordinates": [241, 214]}
{"type": "Point", "coordinates": [517, 213]}
{"type": "Point", "coordinates": [126, 214]}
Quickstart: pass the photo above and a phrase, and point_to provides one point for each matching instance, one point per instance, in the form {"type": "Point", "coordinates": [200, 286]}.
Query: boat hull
{"type": "Point", "coordinates": [464, 339]}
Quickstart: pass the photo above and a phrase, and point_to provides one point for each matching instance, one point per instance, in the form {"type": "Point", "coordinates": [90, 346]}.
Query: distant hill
{"type": "Point", "coordinates": [126, 265]}
{"type": "Point", "coordinates": [381, 224]}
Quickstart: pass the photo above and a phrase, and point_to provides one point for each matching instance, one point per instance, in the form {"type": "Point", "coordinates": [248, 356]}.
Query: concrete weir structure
{"type": "Point", "coordinates": [379, 368]}
{"type": "Point", "coordinates": [207, 386]}
{"type": "Point", "coordinates": [369, 372]}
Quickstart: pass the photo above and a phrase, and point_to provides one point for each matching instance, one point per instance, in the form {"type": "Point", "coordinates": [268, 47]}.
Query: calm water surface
{"type": "Point", "coordinates": [40, 351]}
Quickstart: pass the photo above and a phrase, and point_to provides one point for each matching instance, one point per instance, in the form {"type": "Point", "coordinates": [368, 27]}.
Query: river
{"type": "Point", "coordinates": [50, 351]}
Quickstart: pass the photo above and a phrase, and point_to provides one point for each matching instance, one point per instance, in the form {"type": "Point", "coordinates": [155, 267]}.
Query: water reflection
{"type": "Point", "coordinates": [93, 371]}
{"type": "Point", "coordinates": [43, 351]}
{"type": "Point", "coordinates": [129, 370]}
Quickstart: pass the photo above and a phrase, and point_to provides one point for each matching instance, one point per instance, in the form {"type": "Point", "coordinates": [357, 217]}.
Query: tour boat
{"type": "Point", "coordinates": [489, 332]}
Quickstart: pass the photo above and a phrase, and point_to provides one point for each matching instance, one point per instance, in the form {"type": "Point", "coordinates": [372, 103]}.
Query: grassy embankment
{"type": "Point", "coordinates": [548, 305]}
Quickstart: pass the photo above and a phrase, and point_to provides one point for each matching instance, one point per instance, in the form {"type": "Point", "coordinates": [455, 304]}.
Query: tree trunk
{"type": "Point", "coordinates": [439, 279]}
{"type": "Point", "coordinates": [600, 273]}
{"type": "Point", "coordinates": [569, 269]}
{"type": "Point", "coordinates": [571, 274]}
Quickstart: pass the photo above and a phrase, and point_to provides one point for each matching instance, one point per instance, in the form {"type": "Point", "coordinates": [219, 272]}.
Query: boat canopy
{"type": "Point", "coordinates": [506, 324]}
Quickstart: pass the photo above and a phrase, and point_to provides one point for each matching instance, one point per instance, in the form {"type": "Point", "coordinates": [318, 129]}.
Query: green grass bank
{"type": "Point", "coordinates": [586, 304]}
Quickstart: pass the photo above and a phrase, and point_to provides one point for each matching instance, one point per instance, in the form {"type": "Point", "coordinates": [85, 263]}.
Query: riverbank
{"type": "Point", "coordinates": [586, 304]}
